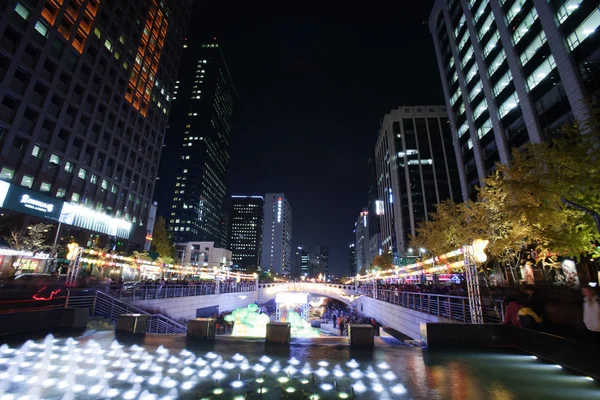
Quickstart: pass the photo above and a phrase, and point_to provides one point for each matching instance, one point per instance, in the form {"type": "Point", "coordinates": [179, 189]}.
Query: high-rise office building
{"type": "Point", "coordinates": [193, 177]}
{"type": "Point", "coordinates": [361, 232]}
{"type": "Point", "coordinates": [513, 71]}
{"type": "Point", "coordinates": [86, 90]}
{"type": "Point", "coordinates": [416, 169]}
{"type": "Point", "coordinates": [245, 231]}
{"type": "Point", "coordinates": [352, 260]}
{"type": "Point", "coordinates": [323, 255]}
{"type": "Point", "coordinates": [302, 264]}
{"type": "Point", "coordinates": [277, 235]}
{"type": "Point", "coordinates": [375, 208]}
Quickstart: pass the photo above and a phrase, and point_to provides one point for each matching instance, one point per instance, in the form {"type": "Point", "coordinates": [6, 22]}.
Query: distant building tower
{"type": "Point", "coordinates": [361, 230]}
{"type": "Point", "coordinates": [245, 231]}
{"type": "Point", "coordinates": [323, 255]}
{"type": "Point", "coordinates": [416, 169]}
{"type": "Point", "coordinates": [193, 175]}
{"type": "Point", "coordinates": [513, 72]}
{"type": "Point", "coordinates": [375, 208]}
{"type": "Point", "coordinates": [352, 260]}
{"type": "Point", "coordinates": [277, 235]}
{"type": "Point", "coordinates": [302, 264]}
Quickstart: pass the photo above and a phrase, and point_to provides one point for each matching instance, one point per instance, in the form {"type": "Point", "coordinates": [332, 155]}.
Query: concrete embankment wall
{"type": "Point", "coordinates": [185, 307]}
{"type": "Point", "coordinates": [402, 319]}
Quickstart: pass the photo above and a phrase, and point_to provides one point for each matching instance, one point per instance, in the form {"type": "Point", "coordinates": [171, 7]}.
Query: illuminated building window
{"type": "Point", "coordinates": [77, 19]}
{"type": "Point", "coordinates": [147, 59]}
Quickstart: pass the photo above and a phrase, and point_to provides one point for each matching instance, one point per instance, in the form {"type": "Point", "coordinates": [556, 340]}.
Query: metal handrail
{"type": "Point", "coordinates": [149, 292]}
{"type": "Point", "coordinates": [102, 304]}
{"type": "Point", "coordinates": [452, 307]}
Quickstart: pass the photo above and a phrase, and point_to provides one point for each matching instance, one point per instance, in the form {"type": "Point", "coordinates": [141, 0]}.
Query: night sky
{"type": "Point", "coordinates": [313, 84]}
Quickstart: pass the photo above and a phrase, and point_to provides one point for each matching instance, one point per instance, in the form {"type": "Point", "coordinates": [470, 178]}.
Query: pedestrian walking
{"type": "Point", "coordinates": [334, 320]}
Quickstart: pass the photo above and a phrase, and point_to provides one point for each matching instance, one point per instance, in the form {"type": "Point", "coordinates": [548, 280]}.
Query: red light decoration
{"type": "Point", "coordinates": [52, 293]}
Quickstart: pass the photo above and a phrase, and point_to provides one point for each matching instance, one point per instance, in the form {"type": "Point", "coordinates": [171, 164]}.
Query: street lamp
{"type": "Point", "coordinates": [410, 250]}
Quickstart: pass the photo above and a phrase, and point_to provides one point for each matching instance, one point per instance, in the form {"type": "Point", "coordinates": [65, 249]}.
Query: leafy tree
{"type": "Point", "coordinates": [519, 209]}
{"type": "Point", "coordinates": [382, 262]}
{"type": "Point", "coordinates": [34, 239]}
{"type": "Point", "coordinates": [162, 242]}
{"type": "Point", "coordinates": [141, 255]}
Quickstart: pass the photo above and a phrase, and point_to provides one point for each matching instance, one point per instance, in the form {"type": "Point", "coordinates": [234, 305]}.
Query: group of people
{"type": "Point", "coordinates": [342, 318]}
{"type": "Point", "coordinates": [449, 289]}
{"type": "Point", "coordinates": [527, 310]}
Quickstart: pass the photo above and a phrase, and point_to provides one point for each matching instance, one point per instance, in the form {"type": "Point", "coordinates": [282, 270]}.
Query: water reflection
{"type": "Point", "coordinates": [96, 366]}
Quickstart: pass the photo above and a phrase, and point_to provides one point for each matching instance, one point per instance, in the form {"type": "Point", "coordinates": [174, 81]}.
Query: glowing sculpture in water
{"type": "Point", "coordinates": [250, 322]}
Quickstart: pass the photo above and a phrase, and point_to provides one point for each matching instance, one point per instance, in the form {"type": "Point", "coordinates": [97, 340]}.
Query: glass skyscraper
{"type": "Point", "coordinates": [276, 254]}
{"type": "Point", "coordinates": [86, 87]}
{"type": "Point", "coordinates": [193, 176]}
{"type": "Point", "coordinates": [513, 71]}
{"type": "Point", "coordinates": [245, 231]}
{"type": "Point", "coordinates": [416, 169]}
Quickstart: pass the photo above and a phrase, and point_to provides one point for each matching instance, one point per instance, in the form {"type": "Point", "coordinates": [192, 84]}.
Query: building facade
{"type": "Point", "coordinates": [323, 254]}
{"type": "Point", "coordinates": [245, 231]}
{"type": "Point", "coordinates": [203, 254]}
{"type": "Point", "coordinates": [277, 235]}
{"type": "Point", "coordinates": [86, 90]}
{"type": "Point", "coordinates": [361, 234]}
{"type": "Point", "coordinates": [193, 176]}
{"type": "Point", "coordinates": [302, 264]}
{"type": "Point", "coordinates": [352, 271]}
{"type": "Point", "coordinates": [375, 208]}
{"type": "Point", "coordinates": [416, 169]}
{"type": "Point", "coordinates": [513, 72]}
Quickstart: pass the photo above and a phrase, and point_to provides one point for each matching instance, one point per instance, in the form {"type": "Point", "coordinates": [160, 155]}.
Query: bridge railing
{"type": "Point", "coordinates": [452, 307]}
{"type": "Point", "coordinates": [149, 292]}
{"type": "Point", "coordinates": [101, 304]}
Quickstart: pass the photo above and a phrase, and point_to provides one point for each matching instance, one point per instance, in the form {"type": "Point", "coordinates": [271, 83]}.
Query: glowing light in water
{"type": "Point", "coordinates": [352, 363]}
{"type": "Point", "coordinates": [399, 389]}
{"type": "Point", "coordinates": [378, 387]}
{"type": "Point", "coordinates": [237, 384]}
{"type": "Point", "coordinates": [359, 387]}
{"type": "Point", "coordinates": [389, 376]}
{"type": "Point", "coordinates": [290, 389]}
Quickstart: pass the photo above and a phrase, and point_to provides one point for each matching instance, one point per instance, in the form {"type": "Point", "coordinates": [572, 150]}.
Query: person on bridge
{"type": "Point", "coordinates": [334, 320]}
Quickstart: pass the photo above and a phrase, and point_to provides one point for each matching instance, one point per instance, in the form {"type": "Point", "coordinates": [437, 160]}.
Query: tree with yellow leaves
{"type": "Point", "coordinates": [520, 208]}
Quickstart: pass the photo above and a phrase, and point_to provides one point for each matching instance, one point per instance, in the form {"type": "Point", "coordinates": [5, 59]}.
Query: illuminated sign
{"type": "Point", "coordinates": [29, 202]}
{"type": "Point", "coordinates": [378, 207]}
{"type": "Point", "coordinates": [291, 298]}
{"type": "Point", "coordinates": [77, 215]}
{"type": "Point", "coordinates": [22, 253]}
{"type": "Point", "coordinates": [16, 198]}
{"type": "Point", "coordinates": [37, 205]}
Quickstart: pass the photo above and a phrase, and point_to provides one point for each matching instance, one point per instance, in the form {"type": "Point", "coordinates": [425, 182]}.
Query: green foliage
{"type": "Point", "coordinates": [141, 255]}
{"type": "Point", "coordinates": [520, 206]}
{"type": "Point", "coordinates": [382, 262]}
{"type": "Point", "coordinates": [162, 242]}
{"type": "Point", "coordinates": [33, 239]}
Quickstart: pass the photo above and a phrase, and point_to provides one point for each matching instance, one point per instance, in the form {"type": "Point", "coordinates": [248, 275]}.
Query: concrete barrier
{"type": "Point", "coordinates": [134, 324]}
{"type": "Point", "coordinates": [360, 335]}
{"type": "Point", "coordinates": [201, 328]}
{"type": "Point", "coordinates": [578, 356]}
{"type": "Point", "coordinates": [43, 320]}
{"type": "Point", "coordinates": [278, 332]}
